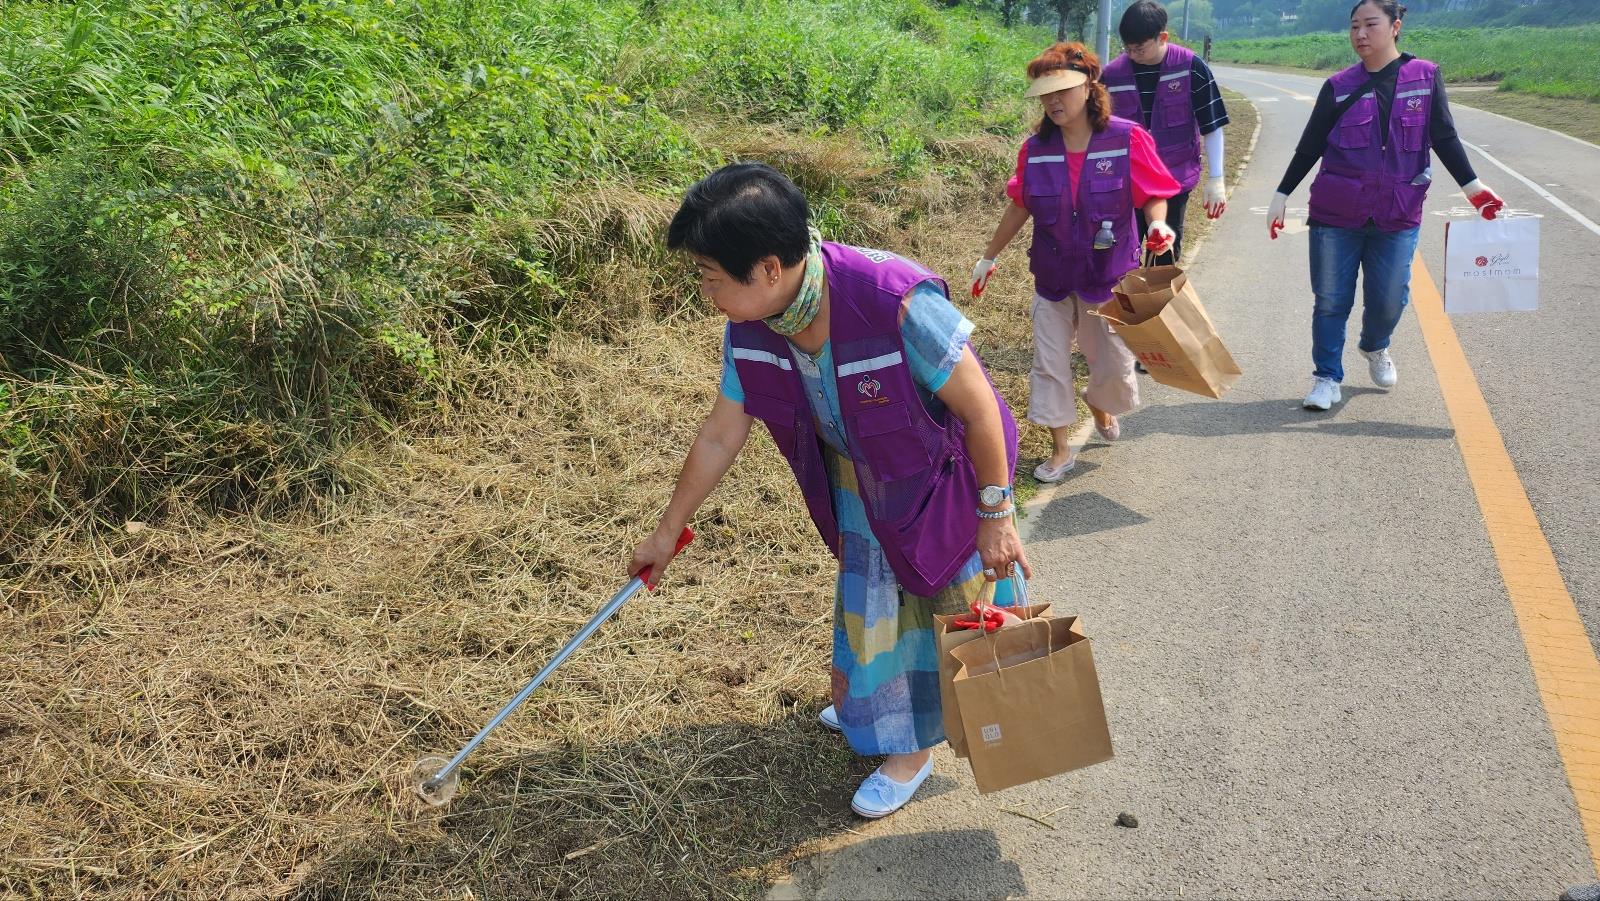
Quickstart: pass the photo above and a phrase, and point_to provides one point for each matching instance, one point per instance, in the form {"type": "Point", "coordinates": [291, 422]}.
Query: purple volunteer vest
{"type": "Point", "coordinates": [1062, 257]}
{"type": "Point", "coordinates": [917, 483]}
{"type": "Point", "coordinates": [1362, 178]}
{"type": "Point", "coordinates": [1172, 121]}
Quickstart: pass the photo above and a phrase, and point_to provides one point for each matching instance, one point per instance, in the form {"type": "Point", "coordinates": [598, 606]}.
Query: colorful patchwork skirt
{"type": "Point", "coordinates": [885, 660]}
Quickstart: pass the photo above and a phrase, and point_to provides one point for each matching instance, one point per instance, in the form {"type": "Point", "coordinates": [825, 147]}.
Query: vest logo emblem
{"type": "Point", "coordinates": [869, 387]}
{"type": "Point", "coordinates": [1175, 86]}
{"type": "Point", "coordinates": [1414, 103]}
{"type": "Point", "coordinates": [1103, 165]}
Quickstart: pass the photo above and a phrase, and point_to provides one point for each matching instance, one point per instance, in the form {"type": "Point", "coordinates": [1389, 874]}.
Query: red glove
{"type": "Point", "coordinates": [1159, 238]}
{"type": "Point", "coordinates": [993, 618]}
{"type": "Point", "coordinates": [1486, 202]}
{"type": "Point", "coordinates": [1276, 213]}
{"type": "Point", "coordinates": [980, 275]}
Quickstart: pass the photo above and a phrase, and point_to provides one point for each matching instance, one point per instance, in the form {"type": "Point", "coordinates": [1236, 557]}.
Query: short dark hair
{"type": "Point", "coordinates": [1395, 11]}
{"type": "Point", "coordinates": [739, 215]}
{"type": "Point", "coordinates": [1143, 21]}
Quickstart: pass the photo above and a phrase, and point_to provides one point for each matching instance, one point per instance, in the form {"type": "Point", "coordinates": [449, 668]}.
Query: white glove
{"type": "Point", "coordinates": [1276, 212]}
{"type": "Point", "coordinates": [980, 275]}
{"type": "Point", "coordinates": [1216, 197]}
{"type": "Point", "coordinates": [1158, 238]}
{"type": "Point", "coordinates": [1483, 199]}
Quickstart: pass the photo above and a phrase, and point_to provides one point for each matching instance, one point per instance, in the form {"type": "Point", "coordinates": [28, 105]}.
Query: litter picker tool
{"type": "Point", "coordinates": [436, 779]}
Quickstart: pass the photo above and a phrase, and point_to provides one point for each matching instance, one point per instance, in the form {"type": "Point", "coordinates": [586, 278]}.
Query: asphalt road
{"type": "Point", "coordinates": [1315, 681]}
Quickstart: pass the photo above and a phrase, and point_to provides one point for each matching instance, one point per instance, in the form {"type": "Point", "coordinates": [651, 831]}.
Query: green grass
{"type": "Point", "coordinates": [1553, 62]}
{"type": "Point", "coordinates": [236, 236]}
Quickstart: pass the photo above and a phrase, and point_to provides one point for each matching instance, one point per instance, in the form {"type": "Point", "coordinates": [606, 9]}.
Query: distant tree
{"type": "Point", "coordinates": [1323, 15]}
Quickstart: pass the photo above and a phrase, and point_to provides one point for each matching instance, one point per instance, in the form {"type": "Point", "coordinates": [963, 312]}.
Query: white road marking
{"type": "Point", "coordinates": [1292, 93]}
{"type": "Point", "coordinates": [1559, 134]}
{"type": "Point", "coordinates": [1467, 212]}
{"type": "Point", "coordinates": [1555, 201]}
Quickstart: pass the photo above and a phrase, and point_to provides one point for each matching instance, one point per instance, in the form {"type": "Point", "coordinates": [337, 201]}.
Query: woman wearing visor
{"type": "Point", "coordinates": [1081, 176]}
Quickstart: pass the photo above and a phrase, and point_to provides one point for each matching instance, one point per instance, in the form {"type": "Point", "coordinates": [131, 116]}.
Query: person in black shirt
{"type": "Point", "coordinates": [1143, 69]}
{"type": "Point", "coordinates": [1372, 128]}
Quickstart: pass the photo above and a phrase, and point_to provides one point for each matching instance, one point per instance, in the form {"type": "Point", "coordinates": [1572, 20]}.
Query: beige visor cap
{"type": "Point", "coordinates": [1056, 80]}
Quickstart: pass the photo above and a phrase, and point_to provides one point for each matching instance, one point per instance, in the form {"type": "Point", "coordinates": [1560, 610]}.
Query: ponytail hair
{"type": "Point", "coordinates": [1063, 55]}
{"type": "Point", "coordinates": [1392, 9]}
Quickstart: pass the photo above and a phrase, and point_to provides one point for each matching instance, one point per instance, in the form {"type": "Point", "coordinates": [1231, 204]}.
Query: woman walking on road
{"type": "Point", "coordinates": [858, 365]}
{"type": "Point", "coordinates": [1372, 128]}
{"type": "Point", "coordinates": [1081, 176]}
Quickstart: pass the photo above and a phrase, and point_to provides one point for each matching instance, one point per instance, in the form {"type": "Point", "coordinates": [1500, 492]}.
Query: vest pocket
{"type": "Point", "coordinates": [940, 529]}
{"type": "Point", "coordinates": [1354, 131]}
{"type": "Point", "coordinates": [887, 442]}
{"type": "Point", "coordinates": [1407, 210]}
{"type": "Point", "coordinates": [1176, 111]}
{"type": "Point", "coordinates": [1108, 196]}
{"type": "Point", "coordinates": [1041, 184]}
{"type": "Point", "coordinates": [1413, 130]}
{"type": "Point", "coordinates": [1046, 208]}
{"type": "Point", "coordinates": [779, 417]}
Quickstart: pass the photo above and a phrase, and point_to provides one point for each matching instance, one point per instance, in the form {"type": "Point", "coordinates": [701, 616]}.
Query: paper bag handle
{"type": "Point", "coordinates": [1019, 591]}
{"type": "Point", "coordinates": [994, 645]}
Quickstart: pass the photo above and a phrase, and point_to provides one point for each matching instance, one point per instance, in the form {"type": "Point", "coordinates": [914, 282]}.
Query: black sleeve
{"type": "Point", "coordinates": [1442, 132]}
{"type": "Point", "coordinates": [1206, 98]}
{"type": "Point", "coordinates": [1313, 141]}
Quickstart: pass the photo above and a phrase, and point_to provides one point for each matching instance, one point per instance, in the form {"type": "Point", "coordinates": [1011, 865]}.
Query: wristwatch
{"type": "Point", "coordinates": [993, 495]}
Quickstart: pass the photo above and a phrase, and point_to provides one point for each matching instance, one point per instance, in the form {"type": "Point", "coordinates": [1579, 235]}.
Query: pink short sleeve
{"type": "Point", "coordinates": [1014, 186]}
{"type": "Point", "coordinates": [1150, 175]}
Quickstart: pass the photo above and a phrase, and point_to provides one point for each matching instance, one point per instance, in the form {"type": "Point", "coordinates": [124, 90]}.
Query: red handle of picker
{"type": "Point", "coordinates": [645, 575]}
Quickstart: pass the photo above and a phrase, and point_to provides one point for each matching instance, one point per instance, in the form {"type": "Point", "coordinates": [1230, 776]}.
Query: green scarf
{"type": "Point", "coordinates": [803, 310]}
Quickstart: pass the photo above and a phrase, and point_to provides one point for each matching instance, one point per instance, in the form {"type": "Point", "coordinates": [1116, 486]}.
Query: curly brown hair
{"type": "Point", "coordinates": [1063, 55]}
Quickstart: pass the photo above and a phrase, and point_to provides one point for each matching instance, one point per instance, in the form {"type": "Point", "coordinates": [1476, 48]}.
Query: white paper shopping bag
{"type": "Point", "coordinates": [1491, 266]}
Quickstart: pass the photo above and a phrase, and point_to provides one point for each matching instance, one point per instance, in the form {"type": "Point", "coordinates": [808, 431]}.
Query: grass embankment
{"type": "Point", "coordinates": [380, 353]}
{"type": "Point", "coordinates": [1549, 62]}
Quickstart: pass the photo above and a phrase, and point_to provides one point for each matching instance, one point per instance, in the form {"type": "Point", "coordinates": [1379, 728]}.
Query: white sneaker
{"type": "Point", "coordinates": [1381, 367]}
{"type": "Point", "coordinates": [829, 718]}
{"type": "Point", "coordinates": [1324, 394]}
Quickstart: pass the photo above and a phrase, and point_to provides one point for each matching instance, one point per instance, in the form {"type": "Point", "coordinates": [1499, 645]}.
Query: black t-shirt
{"type": "Point", "coordinates": [1441, 128]}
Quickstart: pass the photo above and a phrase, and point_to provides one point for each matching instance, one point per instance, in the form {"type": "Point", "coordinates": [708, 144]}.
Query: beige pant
{"type": "Point", "coordinates": [1113, 387]}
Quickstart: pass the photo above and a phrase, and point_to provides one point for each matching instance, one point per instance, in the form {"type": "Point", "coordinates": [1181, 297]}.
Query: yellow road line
{"type": "Point", "coordinates": [1564, 664]}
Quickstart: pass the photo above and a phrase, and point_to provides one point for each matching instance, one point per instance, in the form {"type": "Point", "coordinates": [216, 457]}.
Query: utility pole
{"type": "Point", "coordinates": [1186, 21]}
{"type": "Point", "coordinates": [1102, 41]}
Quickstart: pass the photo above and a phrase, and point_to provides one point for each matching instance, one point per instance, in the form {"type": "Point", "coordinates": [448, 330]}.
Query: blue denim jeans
{"type": "Point", "coordinates": [1384, 261]}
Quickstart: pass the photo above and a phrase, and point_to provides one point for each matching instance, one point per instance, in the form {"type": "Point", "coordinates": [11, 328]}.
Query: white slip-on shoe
{"type": "Point", "coordinates": [1045, 474]}
{"type": "Point", "coordinates": [880, 796]}
{"type": "Point", "coordinates": [1381, 367]}
{"type": "Point", "coordinates": [1324, 394]}
{"type": "Point", "coordinates": [1111, 432]}
{"type": "Point", "coordinates": [829, 718]}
